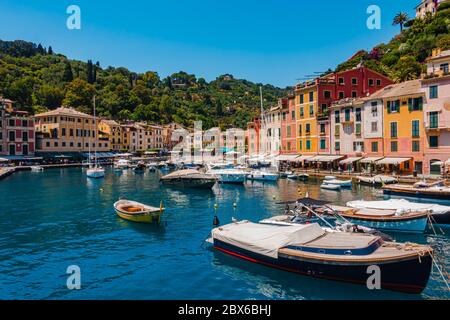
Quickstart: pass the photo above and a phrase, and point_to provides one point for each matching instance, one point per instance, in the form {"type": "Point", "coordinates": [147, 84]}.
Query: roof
{"type": "Point", "coordinates": [63, 111]}
{"type": "Point", "coordinates": [348, 102]}
{"type": "Point", "coordinates": [442, 54]}
{"type": "Point", "coordinates": [412, 87]}
{"type": "Point", "coordinates": [111, 123]}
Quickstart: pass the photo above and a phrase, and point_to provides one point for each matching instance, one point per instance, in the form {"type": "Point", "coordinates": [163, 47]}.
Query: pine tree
{"type": "Point", "coordinates": [90, 72]}
{"type": "Point", "coordinates": [67, 75]}
{"type": "Point", "coordinates": [50, 50]}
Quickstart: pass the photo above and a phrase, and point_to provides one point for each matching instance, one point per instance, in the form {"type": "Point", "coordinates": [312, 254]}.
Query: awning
{"type": "Point", "coordinates": [324, 158]}
{"type": "Point", "coordinates": [395, 161]}
{"type": "Point", "coordinates": [287, 157]}
{"type": "Point", "coordinates": [303, 158]}
{"type": "Point", "coordinates": [350, 160]}
{"type": "Point", "coordinates": [447, 163]}
{"type": "Point", "coordinates": [21, 158]}
{"type": "Point", "coordinates": [3, 160]}
{"type": "Point", "coordinates": [371, 159]}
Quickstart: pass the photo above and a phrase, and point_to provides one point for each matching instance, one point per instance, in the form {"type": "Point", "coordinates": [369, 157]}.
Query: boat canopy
{"type": "Point", "coordinates": [371, 159]}
{"type": "Point", "coordinates": [350, 160]}
{"type": "Point", "coordinates": [320, 158]}
{"type": "Point", "coordinates": [400, 205]}
{"type": "Point", "coordinates": [395, 161]}
{"type": "Point", "coordinates": [310, 202]}
{"type": "Point", "coordinates": [266, 239]}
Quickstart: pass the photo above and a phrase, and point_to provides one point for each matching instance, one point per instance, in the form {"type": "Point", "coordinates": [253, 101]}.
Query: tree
{"type": "Point", "coordinates": [50, 50]}
{"type": "Point", "coordinates": [400, 19]}
{"type": "Point", "coordinates": [79, 95]}
{"type": "Point", "coordinates": [48, 96]}
{"type": "Point", "coordinates": [67, 74]}
{"type": "Point", "coordinates": [90, 72]}
{"type": "Point", "coordinates": [407, 68]}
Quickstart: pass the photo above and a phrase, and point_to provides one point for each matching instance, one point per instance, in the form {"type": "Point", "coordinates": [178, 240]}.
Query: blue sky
{"type": "Point", "coordinates": [268, 41]}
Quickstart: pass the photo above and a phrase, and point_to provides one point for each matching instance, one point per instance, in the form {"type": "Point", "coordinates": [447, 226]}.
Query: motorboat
{"type": "Point", "coordinates": [95, 172]}
{"type": "Point", "coordinates": [140, 167]}
{"type": "Point", "coordinates": [340, 183]}
{"type": "Point", "coordinates": [438, 190]}
{"type": "Point", "coordinates": [334, 187]}
{"type": "Point", "coordinates": [189, 179]}
{"type": "Point", "coordinates": [258, 175]}
{"type": "Point", "coordinates": [439, 214]}
{"type": "Point", "coordinates": [122, 164]}
{"type": "Point", "coordinates": [37, 169]}
{"type": "Point", "coordinates": [308, 249]}
{"type": "Point", "coordinates": [329, 178]}
{"type": "Point", "coordinates": [378, 180]}
{"type": "Point", "coordinates": [138, 212]}
{"type": "Point", "coordinates": [228, 175]}
{"type": "Point", "coordinates": [299, 176]}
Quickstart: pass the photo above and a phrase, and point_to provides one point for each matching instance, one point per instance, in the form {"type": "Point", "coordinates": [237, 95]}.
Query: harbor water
{"type": "Point", "coordinates": [59, 218]}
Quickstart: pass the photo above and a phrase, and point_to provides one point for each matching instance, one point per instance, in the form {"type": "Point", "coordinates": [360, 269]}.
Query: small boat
{"type": "Point", "coordinates": [285, 174]}
{"type": "Point", "coordinates": [138, 212]}
{"type": "Point", "coordinates": [140, 167]}
{"type": "Point", "coordinates": [340, 183]}
{"type": "Point", "coordinates": [95, 172]}
{"type": "Point", "coordinates": [377, 181]}
{"type": "Point", "coordinates": [308, 249]}
{"type": "Point", "coordinates": [189, 179]}
{"type": "Point", "coordinates": [122, 164]}
{"type": "Point", "coordinates": [439, 214]}
{"type": "Point", "coordinates": [228, 175]}
{"type": "Point", "coordinates": [327, 186]}
{"type": "Point", "coordinates": [36, 169]}
{"type": "Point", "coordinates": [262, 176]}
{"type": "Point", "coordinates": [329, 178]}
{"type": "Point", "coordinates": [300, 176]}
{"type": "Point", "coordinates": [438, 190]}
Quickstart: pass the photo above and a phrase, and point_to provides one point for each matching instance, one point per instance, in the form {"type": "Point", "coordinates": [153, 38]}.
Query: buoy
{"type": "Point", "coordinates": [216, 221]}
{"type": "Point", "coordinates": [235, 204]}
{"type": "Point", "coordinates": [216, 205]}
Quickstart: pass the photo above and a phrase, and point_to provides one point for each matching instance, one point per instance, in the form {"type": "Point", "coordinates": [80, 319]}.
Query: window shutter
{"type": "Point", "coordinates": [388, 107]}
{"type": "Point", "coordinates": [397, 105]}
{"type": "Point", "coordinates": [420, 103]}
{"type": "Point", "coordinates": [410, 104]}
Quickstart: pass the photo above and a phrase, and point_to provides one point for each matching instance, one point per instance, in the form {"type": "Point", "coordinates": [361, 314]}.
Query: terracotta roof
{"type": "Point", "coordinates": [63, 111]}
{"type": "Point", "coordinates": [407, 88]}
{"type": "Point", "coordinates": [110, 122]}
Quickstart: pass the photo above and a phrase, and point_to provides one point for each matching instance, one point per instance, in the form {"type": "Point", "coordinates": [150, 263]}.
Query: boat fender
{"type": "Point", "coordinates": [216, 221]}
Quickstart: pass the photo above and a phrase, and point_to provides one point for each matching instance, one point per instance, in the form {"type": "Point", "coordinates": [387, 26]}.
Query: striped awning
{"type": "Point", "coordinates": [350, 160]}
{"type": "Point", "coordinates": [287, 157]}
{"type": "Point", "coordinates": [324, 158]}
{"type": "Point", "coordinates": [303, 158]}
{"type": "Point", "coordinates": [395, 161]}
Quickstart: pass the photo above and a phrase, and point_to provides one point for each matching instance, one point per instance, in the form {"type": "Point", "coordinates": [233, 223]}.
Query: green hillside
{"type": "Point", "coordinates": [38, 79]}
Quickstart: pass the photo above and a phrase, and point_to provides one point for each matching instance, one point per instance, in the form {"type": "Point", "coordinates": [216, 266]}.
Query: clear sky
{"type": "Point", "coordinates": [268, 41]}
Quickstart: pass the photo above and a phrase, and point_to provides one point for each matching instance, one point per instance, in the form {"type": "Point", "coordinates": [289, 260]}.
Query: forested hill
{"type": "Point", "coordinates": [403, 57]}
{"type": "Point", "coordinates": [38, 79]}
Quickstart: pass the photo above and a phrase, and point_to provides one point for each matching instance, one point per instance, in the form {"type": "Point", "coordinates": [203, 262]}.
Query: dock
{"type": "Point", "coordinates": [6, 172]}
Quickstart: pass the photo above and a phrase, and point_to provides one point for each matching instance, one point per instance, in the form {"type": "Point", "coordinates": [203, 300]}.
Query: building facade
{"type": "Point", "coordinates": [288, 127]}
{"type": "Point", "coordinates": [17, 134]}
{"type": "Point", "coordinates": [65, 130]}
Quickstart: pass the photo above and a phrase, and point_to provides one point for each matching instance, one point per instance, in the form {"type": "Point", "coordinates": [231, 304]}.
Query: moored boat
{"type": "Point", "coordinates": [327, 186]}
{"type": "Point", "coordinates": [262, 176]}
{"type": "Point", "coordinates": [138, 212]}
{"type": "Point", "coordinates": [228, 175]}
{"type": "Point", "coordinates": [140, 167]}
{"type": "Point", "coordinates": [438, 191]}
{"type": "Point", "coordinates": [36, 169]}
{"type": "Point", "coordinates": [189, 179]}
{"type": "Point", "coordinates": [377, 181]}
{"type": "Point", "coordinates": [340, 183]}
{"type": "Point", "coordinates": [440, 214]}
{"type": "Point", "coordinates": [95, 172]}
{"type": "Point", "coordinates": [310, 250]}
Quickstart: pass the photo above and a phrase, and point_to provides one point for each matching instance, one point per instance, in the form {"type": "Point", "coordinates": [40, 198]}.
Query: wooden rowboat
{"type": "Point", "coordinates": [138, 212]}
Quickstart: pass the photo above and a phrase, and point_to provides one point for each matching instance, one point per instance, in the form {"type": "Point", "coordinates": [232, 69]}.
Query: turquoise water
{"type": "Point", "coordinates": [51, 220]}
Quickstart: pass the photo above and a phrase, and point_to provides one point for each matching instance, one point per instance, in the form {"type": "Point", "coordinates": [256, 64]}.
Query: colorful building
{"type": "Point", "coordinates": [403, 129]}
{"type": "Point", "coordinates": [253, 137]}
{"type": "Point", "coordinates": [115, 133]}
{"type": "Point", "coordinates": [17, 134]}
{"type": "Point", "coordinates": [65, 130]}
{"type": "Point", "coordinates": [435, 85]}
{"type": "Point", "coordinates": [272, 120]}
{"type": "Point", "coordinates": [288, 127]}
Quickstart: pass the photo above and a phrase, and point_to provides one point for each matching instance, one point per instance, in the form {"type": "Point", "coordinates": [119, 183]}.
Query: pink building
{"type": "Point", "coordinates": [288, 128]}
{"type": "Point", "coordinates": [436, 86]}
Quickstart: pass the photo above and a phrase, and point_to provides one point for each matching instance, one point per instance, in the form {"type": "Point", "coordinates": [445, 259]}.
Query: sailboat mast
{"type": "Point", "coordinates": [263, 124]}
{"type": "Point", "coordinates": [95, 135]}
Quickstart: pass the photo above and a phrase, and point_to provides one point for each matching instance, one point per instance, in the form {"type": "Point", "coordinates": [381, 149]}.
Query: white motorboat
{"type": "Point", "coordinates": [228, 175]}
{"type": "Point", "coordinates": [36, 169]}
{"type": "Point", "coordinates": [95, 172]}
{"type": "Point", "coordinates": [329, 178]}
{"type": "Point", "coordinates": [378, 180]}
{"type": "Point", "coordinates": [327, 186]}
{"type": "Point", "coordinates": [122, 164]}
{"type": "Point", "coordinates": [262, 176]}
{"type": "Point", "coordinates": [340, 183]}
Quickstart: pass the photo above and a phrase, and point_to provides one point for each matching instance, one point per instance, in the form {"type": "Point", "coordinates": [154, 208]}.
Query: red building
{"type": "Point", "coordinates": [17, 134]}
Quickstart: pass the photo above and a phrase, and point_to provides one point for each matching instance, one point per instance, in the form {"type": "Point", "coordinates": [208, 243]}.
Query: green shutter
{"type": "Point", "coordinates": [410, 104]}
{"type": "Point", "coordinates": [388, 107]}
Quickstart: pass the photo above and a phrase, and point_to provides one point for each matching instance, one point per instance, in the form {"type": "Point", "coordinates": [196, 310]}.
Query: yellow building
{"type": "Point", "coordinates": [305, 115]}
{"type": "Point", "coordinates": [404, 130]}
{"type": "Point", "coordinates": [67, 130]}
{"type": "Point", "coordinates": [117, 134]}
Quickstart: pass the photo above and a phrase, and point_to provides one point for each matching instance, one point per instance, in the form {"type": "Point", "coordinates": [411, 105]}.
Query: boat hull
{"type": "Point", "coordinates": [95, 174]}
{"type": "Point", "coordinates": [407, 225]}
{"type": "Point", "coordinates": [409, 276]}
{"type": "Point", "coordinates": [189, 183]}
{"type": "Point", "coordinates": [416, 195]}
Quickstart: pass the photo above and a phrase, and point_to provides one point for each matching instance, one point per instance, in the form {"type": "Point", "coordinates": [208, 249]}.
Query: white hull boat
{"type": "Point", "coordinates": [228, 176]}
{"type": "Point", "coordinates": [95, 173]}
{"type": "Point", "coordinates": [37, 169]}
{"type": "Point", "coordinates": [327, 186]}
{"type": "Point", "coordinates": [262, 176]}
{"type": "Point", "coordinates": [341, 183]}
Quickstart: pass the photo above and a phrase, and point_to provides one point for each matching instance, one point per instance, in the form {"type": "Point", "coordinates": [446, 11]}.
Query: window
{"type": "Point", "coordinates": [337, 146]}
{"type": "Point", "coordinates": [434, 141]}
{"type": "Point", "coordinates": [12, 149]}
{"type": "Point", "coordinates": [375, 146]}
{"type": "Point", "coordinates": [394, 130]}
{"type": "Point", "coordinates": [347, 115]}
{"type": "Point", "coordinates": [341, 81]}
{"type": "Point", "coordinates": [327, 94]}
{"type": "Point", "coordinates": [358, 146]}
{"type": "Point", "coordinates": [434, 120]}
{"type": "Point", "coordinates": [358, 114]}
{"type": "Point", "coordinates": [378, 82]}
{"type": "Point", "coordinates": [444, 67]}
{"type": "Point", "coordinates": [289, 146]}
{"type": "Point", "coordinates": [394, 146]}
{"type": "Point", "coordinates": [24, 123]}
{"type": "Point", "coordinates": [12, 136]}
{"type": "Point", "coordinates": [337, 130]}
{"type": "Point", "coordinates": [71, 132]}
{"type": "Point", "coordinates": [322, 128]}
{"type": "Point", "coordinates": [415, 104]}
{"type": "Point", "coordinates": [300, 130]}
{"type": "Point", "coordinates": [47, 144]}
{"type": "Point", "coordinates": [341, 95]}
{"type": "Point", "coordinates": [415, 128]}
{"type": "Point", "coordinates": [293, 115]}
{"type": "Point", "coordinates": [358, 129]}
{"type": "Point", "coordinates": [393, 106]}
{"type": "Point", "coordinates": [337, 116]}
{"type": "Point", "coordinates": [323, 144]}
{"type": "Point", "coordinates": [301, 145]}
{"type": "Point", "coordinates": [63, 144]}
{"type": "Point", "coordinates": [308, 128]}
{"type": "Point", "coordinates": [302, 112]}
{"type": "Point", "coordinates": [311, 96]}
{"type": "Point", "coordinates": [25, 136]}
{"type": "Point", "coordinates": [12, 123]}
{"type": "Point", "coordinates": [284, 116]}
{"type": "Point", "coordinates": [415, 146]}
{"type": "Point", "coordinates": [63, 132]}
{"type": "Point", "coordinates": [433, 92]}
{"type": "Point", "coordinates": [374, 110]}
{"type": "Point", "coordinates": [371, 82]}
{"type": "Point", "coordinates": [311, 110]}
{"type": "Point", "coordinates": [354, 81]}
{"type": "Point", "coordinates": [308, 144]}
{"type": "Point", "coordinates": [289, 132]}
{"type": "Point", "coordinates": [354, 94]}
{"type": "Point", "coordinates": [302, 98]}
